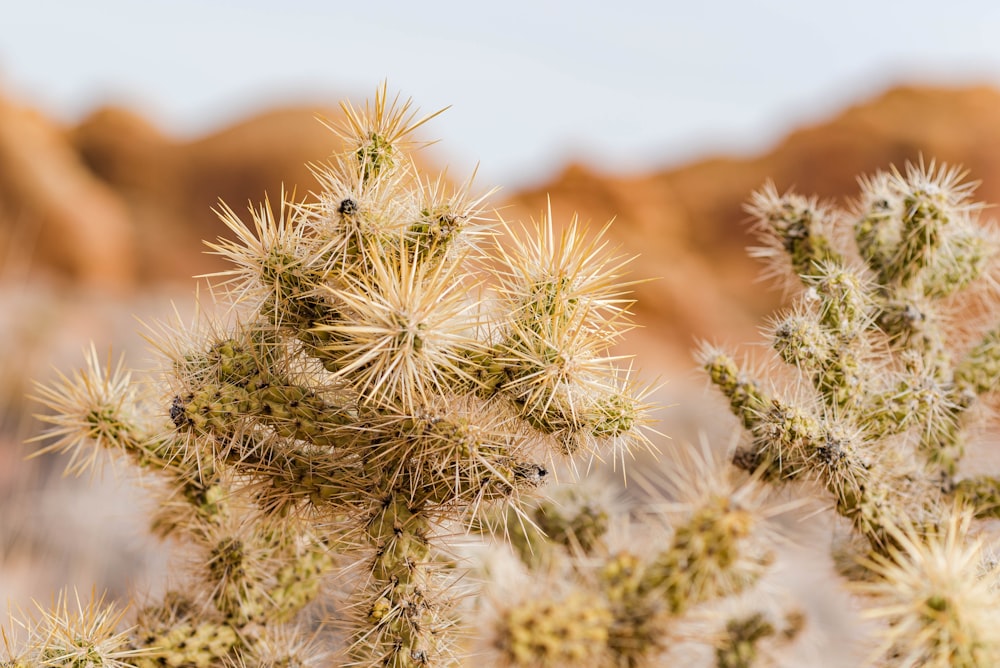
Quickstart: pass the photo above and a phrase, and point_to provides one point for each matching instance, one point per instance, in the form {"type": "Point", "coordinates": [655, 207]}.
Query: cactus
{"type": "Point", "coordinates": [605, 604]}
{"type": "Point", "coordinates": [386, 371]}
{"type": "Point", "coordinates": [891, 364]}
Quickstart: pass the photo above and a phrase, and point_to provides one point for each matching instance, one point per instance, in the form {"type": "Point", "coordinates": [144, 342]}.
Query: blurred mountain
{"type": "Point", "coordinates": [115, 203]}
{"type": "Point", "coordinates": [687, 223]}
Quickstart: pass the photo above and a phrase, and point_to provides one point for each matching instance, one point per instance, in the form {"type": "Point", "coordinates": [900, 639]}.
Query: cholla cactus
{"type": "Point", "coordinates": [937, 596]}
{"type": "Point", "coordinates": [891, 360]}
{"type": "Point", "coordinates": [880, 343]}
{"type": "Point", "coordinates": [632, 605]}
{"type": "Point", "coordinates": [386, 373]}
{"type": "Point", "coordinates": [73, 634]}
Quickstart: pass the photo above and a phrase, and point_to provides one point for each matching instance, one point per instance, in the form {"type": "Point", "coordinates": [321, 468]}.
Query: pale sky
{"type": "Point", "coordinates": [619, 84]}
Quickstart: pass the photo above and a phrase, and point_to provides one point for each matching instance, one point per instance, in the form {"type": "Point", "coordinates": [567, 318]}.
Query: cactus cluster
{"type": "Point", "coordinates": [881, 367]}
{"type": "Point", "coordinates": [630, 601]}
{"type": "Point", "coordinates": [891, 352]}
{"type": "Point", "coordinates": [386, 366]}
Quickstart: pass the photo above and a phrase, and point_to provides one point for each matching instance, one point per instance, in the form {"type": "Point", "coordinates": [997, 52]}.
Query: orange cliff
{"type": "Point", "coordinates": [114, 202]}
{"type": "Point", "coordinates": [688, 226]}
{"type": "Point", "coordinates": [55, 210]}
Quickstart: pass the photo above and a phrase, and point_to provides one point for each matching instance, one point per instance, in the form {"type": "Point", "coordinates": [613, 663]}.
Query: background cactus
{"type": "Point", "coordinates": [892, 336]}
{"type": "Point", "coordinates": [634, 599]}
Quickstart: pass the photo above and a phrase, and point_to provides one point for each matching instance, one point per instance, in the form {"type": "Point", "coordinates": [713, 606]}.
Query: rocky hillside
{"type": "Point", "coordinates": [114, 203]}
{"type": "Point", "coordinates": [687, 223]}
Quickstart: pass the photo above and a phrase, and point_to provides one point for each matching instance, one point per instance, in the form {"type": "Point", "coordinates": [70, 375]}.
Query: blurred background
{"type": "Point", "coordinates": [122, 124]}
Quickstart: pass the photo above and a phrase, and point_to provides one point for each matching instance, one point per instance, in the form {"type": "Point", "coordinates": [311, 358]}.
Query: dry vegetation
{"type": "Point", "coordinates": [397, 438]}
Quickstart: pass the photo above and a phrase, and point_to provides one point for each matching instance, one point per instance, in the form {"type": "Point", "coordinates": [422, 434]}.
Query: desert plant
{"type": "Point", "coordinates": [876, 387]}
{"type": "Point", "coordinates": [891, 350]}
{"type": "Point", "coordinates": [383, 372]}
{"type": "Point", "coordinates": [603, 601]}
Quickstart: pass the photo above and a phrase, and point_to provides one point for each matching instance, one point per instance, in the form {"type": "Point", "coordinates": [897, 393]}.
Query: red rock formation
{"type": "Point", "coordinates": [172, 187]}
{"type": "Point", "coordinates": [55, 209]}
{"type": "Point", "coordinates": [688, 225]}
{"type": "Point", "coordinates": [114, 197]}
